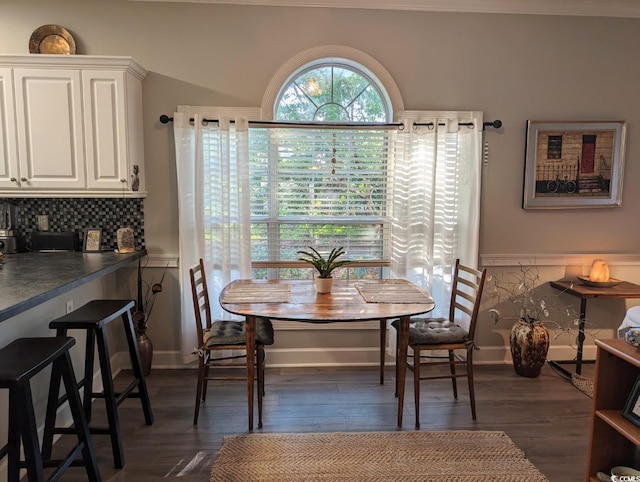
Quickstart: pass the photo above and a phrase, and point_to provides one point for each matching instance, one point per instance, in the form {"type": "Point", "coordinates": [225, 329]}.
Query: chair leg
{"type": "Point", "coordinates": [398, 361]}
{"type": "Point", "coordinates": [260, 370]}
{"type": "Point", "coordinates": [416, 383]}
{"type": "Point", "coordinates": [205, 383]}
{"type": "Point", "coordinates": [452, 366]}
{"type": "Point", "coordinates": [201, 374]}
{"type": "Point", "coordinates": [383, 347]}
{"type": "Point", "coordinates": [472, 396]}
{"type": "Point", "coordinates": [264, 364]}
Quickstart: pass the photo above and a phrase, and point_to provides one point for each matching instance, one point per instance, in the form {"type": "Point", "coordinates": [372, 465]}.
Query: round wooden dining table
{"type": "Point", "coordinates": [349, 301]}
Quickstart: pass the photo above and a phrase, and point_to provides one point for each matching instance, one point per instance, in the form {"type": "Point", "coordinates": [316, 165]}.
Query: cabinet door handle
{"type": "Point", "coordinates": [13, 179]}
{"type": "Point", "coordinates": [23, 179]}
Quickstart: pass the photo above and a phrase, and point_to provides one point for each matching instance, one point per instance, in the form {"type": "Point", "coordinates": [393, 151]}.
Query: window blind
{"type": "Point", "coordinates": [321, 188]}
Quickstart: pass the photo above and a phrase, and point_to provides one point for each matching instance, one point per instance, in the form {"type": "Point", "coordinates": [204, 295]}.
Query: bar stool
{"type": "Point", "coordinates": [94, 317]}
{"type": "Point", "coordinates": [20, 360]}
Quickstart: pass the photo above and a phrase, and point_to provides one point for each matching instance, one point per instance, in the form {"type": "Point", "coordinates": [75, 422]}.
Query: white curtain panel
{"type": "Point", "coordinates": [436, 202]}
{"type": "Point", "coordinates": [214, 216]}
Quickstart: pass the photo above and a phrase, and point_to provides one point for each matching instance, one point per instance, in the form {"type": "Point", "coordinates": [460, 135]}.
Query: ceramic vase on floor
{"type": "Point", "coordinates": [529, 347]}
{"type": "Point", "coordinates": [145, 348]}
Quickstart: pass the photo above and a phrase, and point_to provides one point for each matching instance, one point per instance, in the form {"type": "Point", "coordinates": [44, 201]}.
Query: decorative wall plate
{"type": "Point", "coordinates": [52, 39]}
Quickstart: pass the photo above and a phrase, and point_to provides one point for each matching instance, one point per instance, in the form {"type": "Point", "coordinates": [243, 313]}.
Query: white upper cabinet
{"type": "Point", "coordinates": [49, 126]}
{"type": "Point", "coordinates": [77, 126]}
{"type": "Point", "coordinates": [9, 170]}
{"type": "Point", "coordinates": [113, 119]}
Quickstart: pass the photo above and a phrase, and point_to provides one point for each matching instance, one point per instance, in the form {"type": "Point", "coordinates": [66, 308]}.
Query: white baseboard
{"type": "Point", "coordinates": [327, 357]}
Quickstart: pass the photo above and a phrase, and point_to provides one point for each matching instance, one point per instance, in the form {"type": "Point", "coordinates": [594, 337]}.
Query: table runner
{"type": "Point", "coordinates": [392, 291]}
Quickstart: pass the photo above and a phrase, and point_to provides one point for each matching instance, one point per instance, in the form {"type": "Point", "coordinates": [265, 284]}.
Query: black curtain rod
{"type": "Point", "coordinates": [164, 119]}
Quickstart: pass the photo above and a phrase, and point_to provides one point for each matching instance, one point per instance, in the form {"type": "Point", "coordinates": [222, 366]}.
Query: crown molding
{"type": "Point", "coordinates": [589, 8]}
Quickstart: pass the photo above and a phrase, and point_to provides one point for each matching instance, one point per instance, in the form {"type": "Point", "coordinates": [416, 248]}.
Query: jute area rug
{"type": "Point", "coordinates": [584, 384]}
{"type": "Point", "coordinates": [373, 456]}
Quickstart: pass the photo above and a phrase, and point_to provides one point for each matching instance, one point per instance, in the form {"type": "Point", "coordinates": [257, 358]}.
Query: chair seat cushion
{"type": "Point", "coordinates": [434, 331]}
{"type": "Point", "coordinates": [225, 332]}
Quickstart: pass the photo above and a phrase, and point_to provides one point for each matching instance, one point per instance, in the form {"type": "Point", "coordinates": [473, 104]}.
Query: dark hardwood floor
{"type": "Point", "coordinates": [546, 417]}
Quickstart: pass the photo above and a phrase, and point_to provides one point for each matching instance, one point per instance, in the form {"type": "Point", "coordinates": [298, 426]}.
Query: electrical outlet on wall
{"type": "Point", "coordinates": [69, 306]}
{"type": "Point", "coordinates": [43, 222]}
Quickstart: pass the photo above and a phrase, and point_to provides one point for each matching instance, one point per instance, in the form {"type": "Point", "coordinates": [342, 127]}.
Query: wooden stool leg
{"type": "Point", "coordinates": [23, 411]}
{"type": "Point", "coordinates": [87, 379]}
{"type": "Point", "coordinates": [79, 420]}
{"type": "Point", "coordinates": [134, 355]}
{"type": "Point", "coordinates": [13, 442]}
{"type": "Point", "coordinates": [50, 418]}
{"type": "Point", "coordinates": [52, 406]}
{"type": "Point", "coordinates": [110, 399]}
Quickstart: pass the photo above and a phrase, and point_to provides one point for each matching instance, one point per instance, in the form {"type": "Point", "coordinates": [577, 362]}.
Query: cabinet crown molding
{"type": "Point", "coordinates": [95, 62]}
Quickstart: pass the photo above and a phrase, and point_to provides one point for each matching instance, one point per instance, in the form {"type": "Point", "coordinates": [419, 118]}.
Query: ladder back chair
{"type": "Point", "coordinates": [219, 335]}
{"type": "Point", "coordinates": [454, 334]}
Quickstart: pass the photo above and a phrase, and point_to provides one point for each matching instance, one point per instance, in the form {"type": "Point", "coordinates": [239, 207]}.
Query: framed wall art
{"type": "Point", "coordinates": [573, 164]}
{"type": "Point", "coordinates": [92, 240]}
{"type": "Point", "coordinates": [631, 410]}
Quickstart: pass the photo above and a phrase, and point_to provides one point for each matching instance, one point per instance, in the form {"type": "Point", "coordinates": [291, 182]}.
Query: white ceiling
{"type": "Point", "coordinates": [592, 8]}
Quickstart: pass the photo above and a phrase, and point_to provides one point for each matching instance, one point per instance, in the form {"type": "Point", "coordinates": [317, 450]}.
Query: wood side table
{"type": "Point", "coordinates": [623, 290]}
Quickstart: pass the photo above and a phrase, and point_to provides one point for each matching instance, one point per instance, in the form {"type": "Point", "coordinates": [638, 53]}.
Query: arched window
{"type": "Point", "coordinates": [330, 91]}
{"type": "Point", "coordinates": [328, 185]}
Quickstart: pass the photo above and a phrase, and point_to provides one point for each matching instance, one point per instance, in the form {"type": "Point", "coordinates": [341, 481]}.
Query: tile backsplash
{"type": "Point", "coordinates": [78, 214]}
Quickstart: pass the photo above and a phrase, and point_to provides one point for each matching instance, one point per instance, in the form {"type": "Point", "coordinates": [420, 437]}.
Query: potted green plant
{"type": "Point", "coordinates": [324, 266]}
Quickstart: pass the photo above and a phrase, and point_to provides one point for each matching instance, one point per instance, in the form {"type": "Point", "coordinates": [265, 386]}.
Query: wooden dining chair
{"type": "Point", "coordinates": [216, 336]}
{"type": "Point", "coordinates": [454, 334]}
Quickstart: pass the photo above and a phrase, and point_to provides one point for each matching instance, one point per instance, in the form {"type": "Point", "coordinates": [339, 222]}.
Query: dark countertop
{"type": "Point", "coordinates": [29, 279]}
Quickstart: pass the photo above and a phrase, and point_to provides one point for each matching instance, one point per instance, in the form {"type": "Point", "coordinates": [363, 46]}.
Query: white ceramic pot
{"type": "Point", "coordinates": [323, 285]}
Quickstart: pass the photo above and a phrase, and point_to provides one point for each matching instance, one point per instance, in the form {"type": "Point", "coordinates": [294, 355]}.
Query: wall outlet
{"type": "Point", "coordinates": [69, 306]}
{"type": "Point", "coordinates": [43, 222]}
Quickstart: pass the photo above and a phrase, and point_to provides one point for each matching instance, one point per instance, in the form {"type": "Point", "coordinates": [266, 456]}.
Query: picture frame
{"type": "Point", "coordinates": [631, 410]}
{"type": "Point", "coordinates": [92, 240]}
{"type": "Point", "coordinates": [574, 164]}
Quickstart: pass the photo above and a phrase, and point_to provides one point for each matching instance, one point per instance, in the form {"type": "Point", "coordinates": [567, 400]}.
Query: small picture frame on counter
{"type": "Point", "coordinates": [631, 409]}
{"type": "Point", "coordinates": [92, 240]}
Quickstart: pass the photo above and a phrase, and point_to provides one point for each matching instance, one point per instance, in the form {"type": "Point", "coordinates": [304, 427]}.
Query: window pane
{"type": "Point", "coordinates": [331, 93]}
{"type": "Point", "coordinates": [318, 187]}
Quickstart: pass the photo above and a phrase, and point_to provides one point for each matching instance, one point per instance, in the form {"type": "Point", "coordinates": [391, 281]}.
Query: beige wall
{"type": "Point", "coordinates": [511, 67]}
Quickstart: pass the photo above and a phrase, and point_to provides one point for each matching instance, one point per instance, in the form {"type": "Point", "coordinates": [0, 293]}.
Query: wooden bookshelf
{"type": "Point", "coordinates": [613, 440]}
